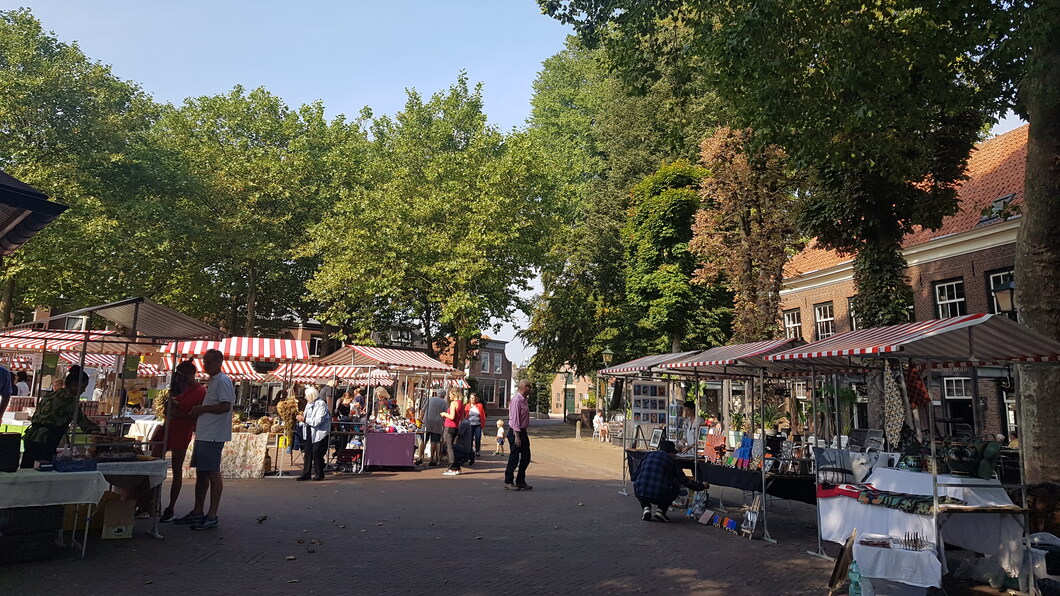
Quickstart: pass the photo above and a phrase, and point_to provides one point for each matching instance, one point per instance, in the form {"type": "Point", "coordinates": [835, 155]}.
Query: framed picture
{"type": "Point", "coordinates": [654, 418]}
{"type": "Point", "coordinates": [662, 391]}
{"type": "Point", "coordinates": [656, 436]}
{"type": "Point", "coordinates": [636, 416]}
{"type": "Point", "coordinates": [662, 418]}
{"type": "Point", "coordinates": [653, 391]}
{"type": "Point", "coordinates": [636, 389]}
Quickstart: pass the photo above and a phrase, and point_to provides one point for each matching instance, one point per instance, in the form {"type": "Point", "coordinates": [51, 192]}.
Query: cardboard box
{"type": "Point", "coordinates": [97, 513]}
{"type": "Point", "coordinates": [118, 519]}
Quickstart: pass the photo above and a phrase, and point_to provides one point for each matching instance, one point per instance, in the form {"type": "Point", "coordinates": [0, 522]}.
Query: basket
{"type": "Point", "coordinates": [74, 465]}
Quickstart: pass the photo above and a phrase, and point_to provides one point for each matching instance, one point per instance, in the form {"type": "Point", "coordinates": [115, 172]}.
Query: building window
{"type": "Point", "coordinates": [401, 337]}
{"type": "Point", "coordinates": [486, 389]}
{"type": "Point", "coordinates": [853, 314]}
{"type": "Point", "coordinates": [498, 363]}
{"type": "Point", "coordinates": [993, 280]}
{"type": "Point", "coordinates": [484, 357]}
{"type": "Point", "coordinates": [800, 389]}
{"type": "Point", "coordinates": [823, 320]}
{"type": "Point", "coordinates": [500, 393]}
{"type": "Point", "coordinates": [957, 387]}
{"type": "Point", "coordinates": [949, 299]}
{"type": "Point", "coordinates": [792, 324]}
{"type": "Point", "coordinates": [315, 346]}
{"type": "Point", "coordinates": [958, 393]}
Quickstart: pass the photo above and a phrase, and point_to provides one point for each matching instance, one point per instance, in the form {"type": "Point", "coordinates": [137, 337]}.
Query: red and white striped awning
{"type": "Point", "coordinates": [456, 382]}
{"type": "Point", "coordinates": [17, 363]}
{"type": "Point", "coordinates": [237, 370]}
{"type": "Point", "coordinates": [300, 372]}
{"type": "Point", "coordinates": [721, 359]}
{"type": "Point", "coordinates": [57, 340]}
{"type": "Point", "coordinates": [375, 378]}
{"type": "Point", "coordinates": [389, 358]}
{"type": "Point", "coordinates": [978, 338]}
{"type": "Point", "coordinates": [150, 370]}
{"type": "Point", "coordinates": [646, 363]}
{"type": "Point", "coordinates": [253, 349]}
{"type": "Point", "coordinates": [91, 360]}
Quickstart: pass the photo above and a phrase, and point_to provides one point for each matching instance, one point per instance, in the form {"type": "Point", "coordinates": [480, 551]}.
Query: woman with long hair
{"type": "Point", "coordinates": [476, 415]}
{"type": "Point", "coordinates": [452, 417]}
{"type": "Point", "coordinates": [184, 394]}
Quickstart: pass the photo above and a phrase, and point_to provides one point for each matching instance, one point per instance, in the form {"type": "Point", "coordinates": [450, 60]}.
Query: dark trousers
{"type": "Point", "coordinates": [476, 435]}
{"type": "Point", "coordinates": [43, 451]}
{"type": "Point", "coordinates": [314, 458]}
{"type": "Point", "coordinates": [663, 504]}
{"type": "Point", "coordinates": [448, 437]}
{"type": "Point", "coordinates": [519, 458]}
{"type": "Point", "coordinates": [460, 457]}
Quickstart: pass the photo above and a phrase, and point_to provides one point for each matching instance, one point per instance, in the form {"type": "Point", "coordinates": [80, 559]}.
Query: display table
{"type": "Point", "coordinates": [30, 488]}
{"type": "Point", "coordinates": [155, 471]}
{"type": "Point", "coordinates": [796, 487]}
{"type": "Point", "coordinates": [390, 449]}
{"type": "Point", "coordinates": [242, 457]}
{"type": "Point", "coordinates": [919, 568]}
{"type": "Point", "coordinates": [996, 534]}
{"type": "Point", "coordinates": [141, 430]}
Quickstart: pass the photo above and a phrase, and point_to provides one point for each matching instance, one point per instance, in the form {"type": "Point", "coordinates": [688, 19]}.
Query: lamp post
{"type": "Point", "coordinates": [1005, 295]}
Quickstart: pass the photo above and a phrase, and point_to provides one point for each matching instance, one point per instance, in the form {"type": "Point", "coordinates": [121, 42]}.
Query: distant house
{"type": "Point", "coordinates": [569, 392]}
{"type": "Point", "coordinates": [952, 271]}
{"type": "Point", "coordinates": [488, 364]}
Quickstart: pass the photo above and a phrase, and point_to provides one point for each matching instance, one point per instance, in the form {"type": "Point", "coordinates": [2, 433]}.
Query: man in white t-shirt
{"type": "Point", "coordinates": [213, 428]}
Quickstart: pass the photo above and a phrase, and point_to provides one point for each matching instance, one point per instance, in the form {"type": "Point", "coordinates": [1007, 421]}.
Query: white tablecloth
{"type": "Point", "coordinates": [30, 488]}
{"type": "Point", "coordinates": [915, 568]}
{"type": "Point", "coordinates": [155, 471]}
{"type": "Point", "coordinates": [988, 533]}
{"type": "Point", "coordinates": [143, 429]}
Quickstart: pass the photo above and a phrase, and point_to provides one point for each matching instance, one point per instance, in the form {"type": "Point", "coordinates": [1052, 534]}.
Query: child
{"type": "Point", "coordinates": [500, 438]}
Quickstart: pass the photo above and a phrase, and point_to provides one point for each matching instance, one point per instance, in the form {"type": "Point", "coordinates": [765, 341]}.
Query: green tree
{"type": "Point", "coordinates": [456, 217]}
{"type": "Point", "coordinates": [745, 229]}
{"type": "Point", "coordinates": [264, 174]}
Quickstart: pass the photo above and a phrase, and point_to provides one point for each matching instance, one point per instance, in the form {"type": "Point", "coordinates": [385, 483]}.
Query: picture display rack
{"type": "Point", "coordinates": [650, 407]}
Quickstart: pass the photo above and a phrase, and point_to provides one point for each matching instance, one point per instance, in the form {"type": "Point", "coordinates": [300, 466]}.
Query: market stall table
{"type": "Point", "coordinates": [796, 487]}
{"type": "Point", "coordinates": [242, 457]}
{"type": "Point", "coordinates": [389, 449]}
{"type": "Point", "coordinates": [30, 488]}
{"type": "Point", "coordinates": [920, 568]}
{"type": "Point", "coordinates": [996, 534]}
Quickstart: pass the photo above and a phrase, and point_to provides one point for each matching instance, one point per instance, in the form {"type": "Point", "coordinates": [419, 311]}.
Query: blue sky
{"type": "Point", "coordinates": [348, 54]}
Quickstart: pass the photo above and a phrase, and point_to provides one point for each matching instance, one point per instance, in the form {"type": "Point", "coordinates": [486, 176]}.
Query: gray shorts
{"type": "Point", "coordinates": [206, 457]}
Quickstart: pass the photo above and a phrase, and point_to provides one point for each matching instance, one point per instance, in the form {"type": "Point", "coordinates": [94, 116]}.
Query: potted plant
{"type": "Point", "coordinates": [588, 411]}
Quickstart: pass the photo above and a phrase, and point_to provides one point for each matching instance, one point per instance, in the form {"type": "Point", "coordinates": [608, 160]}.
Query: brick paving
{"type": "Point", "coordinates": [417, 532]}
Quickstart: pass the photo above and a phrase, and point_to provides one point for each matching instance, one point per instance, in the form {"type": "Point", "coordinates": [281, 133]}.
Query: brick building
{"type": "Point", "coordinates": [569, 392]}
{"type": "Point", "coordinates": [952, 271]}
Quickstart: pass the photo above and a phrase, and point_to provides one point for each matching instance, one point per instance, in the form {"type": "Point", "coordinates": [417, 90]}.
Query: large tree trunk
{"type": "Point", "coordinates": [251, 300]}
{"type": "Point", "coordinates": [6, 302]}
{"type": "Point", "coordinates": [1038, 247]}
{"type": "Point", "coordinates": [883, 292]}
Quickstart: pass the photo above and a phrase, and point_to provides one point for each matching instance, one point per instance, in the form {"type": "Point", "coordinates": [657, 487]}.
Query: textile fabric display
{"type": "Point", "coordinates": [868, 495]}
{"type": "Point", "coordinates": [893, 408]}
{"type": "Point", "coordinates": [914, 385]}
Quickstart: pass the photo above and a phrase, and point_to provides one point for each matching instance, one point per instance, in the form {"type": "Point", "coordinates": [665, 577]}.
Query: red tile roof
{"type": "Point", "coordinates": [995, 169]}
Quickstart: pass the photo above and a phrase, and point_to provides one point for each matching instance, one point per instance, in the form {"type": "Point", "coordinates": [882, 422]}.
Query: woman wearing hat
{"type": "Point", "coordinates": [657, 481]}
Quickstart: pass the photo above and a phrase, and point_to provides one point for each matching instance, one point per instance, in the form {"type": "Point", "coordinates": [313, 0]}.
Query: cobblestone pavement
{"type": "Point", "coordinates": [417, 532]}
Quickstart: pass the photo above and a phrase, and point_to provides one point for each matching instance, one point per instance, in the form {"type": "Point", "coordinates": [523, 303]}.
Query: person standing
{"type": "Point", "coordinates": [213, 428]}
{"type": "Point", "coordinates": [518, 440]}
{"type": "Point", "coordinates": [7, 387]}
{"type": "Point", "coordinates": [476, 415]}
{"type": "Point", "coordinates": [316, 423]}
{"type": "Point", "coordinates": [327, 393]}
{"type": "Point", "coordinates": [433, 427]}
{"type": "Point", "coordinates": [184, 394]}
{"type": "Point", "coordinates": [452, 417]}
{"type": "Point", "coordinates": [22, 386]}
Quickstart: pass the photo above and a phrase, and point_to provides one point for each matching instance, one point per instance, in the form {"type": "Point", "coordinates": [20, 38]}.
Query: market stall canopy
{"type": "Point", "coordinates": [58, 340]}
{"type": "Point", "coordinates": [253, 349]}
{"type": "Point", "coordinates": [374, 378]}
{"type": "Point", "coordinates": [24, 211]}
{"type": "Point", "coordinates": [17, 363]}
{"type": "Point", "coordinates": [237, 370]}
{"type": "Point", "coordinates": [646, 364]}
{"type": "Point", "coordinates": [109, 362]}
{"type": "Point", "coordinates": [729, 360]}
{"type": "Point", "coordinates": [969, 340]}
{"type": "Point", "coordinates": [301, 372]}
{"type": "Point", "coordinates": [141, 317]}
{"type": "Point", "coordinates": [385, 358]}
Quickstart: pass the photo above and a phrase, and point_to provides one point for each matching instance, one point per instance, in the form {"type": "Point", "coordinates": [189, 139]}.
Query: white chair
{"type": "Point", "coordinates": [596, 433]}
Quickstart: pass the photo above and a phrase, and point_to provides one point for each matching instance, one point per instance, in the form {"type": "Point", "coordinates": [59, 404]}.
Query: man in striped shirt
{"type": "Point", "coordinates": [518, 440]}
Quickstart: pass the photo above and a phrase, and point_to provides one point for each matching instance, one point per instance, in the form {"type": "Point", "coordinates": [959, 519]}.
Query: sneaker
{"type": "Point", "coordinates": [205, 524]}
{"type": "Point", "coordinates": [189, 519]}
{"type": "Point", "coordinates": [660, 515]}
{"type": "Point", "coordinates": [524, 486]}
{"type": "Point", "coordinates": [451, 473]}
{"type": "Point", "coordinates": [647, 514]}
{"type": "Point", "coordinates": [510, 486]}
{"type": "Point", "coordinates": [167, 516]}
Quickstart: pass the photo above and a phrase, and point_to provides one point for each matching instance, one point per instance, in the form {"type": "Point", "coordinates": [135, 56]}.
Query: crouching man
{"type": "Point", "coordinates": [658, 480]}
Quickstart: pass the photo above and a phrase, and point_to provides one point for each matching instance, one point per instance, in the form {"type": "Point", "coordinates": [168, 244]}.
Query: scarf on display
{"type": "Point", "coordinates": [866, 494]}
{"type": "Point", "coordinates": [893, 407]}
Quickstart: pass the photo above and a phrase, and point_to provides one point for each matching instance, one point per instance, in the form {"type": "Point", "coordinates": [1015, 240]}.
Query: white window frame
{"type": "Point", "coordinates": [950, 305]}
{"type": "Point", "coordinates": [484, 357]}
{"type": "Point", "coordinates": [793, 324]}
{"type": "Point", "coordinates": [316, 344]}
{"type": "Point", "coordinates": [823, 327]}
{"type": "Point", "coordinates": [994, 280]}
{"type": "Point", "coordinates": [800, 389]}
{"type": "Point", "coordinates": [950, 386]}
{"type": "Point", "coordinates": [853, 315]}
{"type": "Point", "coordinates": [498, 363]}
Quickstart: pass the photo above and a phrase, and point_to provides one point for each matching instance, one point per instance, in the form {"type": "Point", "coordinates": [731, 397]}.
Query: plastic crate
{"type": "Point", "coordinates": [74, 465]}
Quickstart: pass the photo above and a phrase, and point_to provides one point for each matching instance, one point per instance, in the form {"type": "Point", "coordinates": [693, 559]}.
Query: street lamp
{"type": "Point", "coordinates": [1004, 294]}
{"type": "Point", "coordinates": [607, 355]}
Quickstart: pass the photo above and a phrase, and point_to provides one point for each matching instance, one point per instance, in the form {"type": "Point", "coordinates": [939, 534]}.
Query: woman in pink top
{"type": "Point", "coordinates": [452, 417]}
{"type": "Point", "coordinates": [185, 393]}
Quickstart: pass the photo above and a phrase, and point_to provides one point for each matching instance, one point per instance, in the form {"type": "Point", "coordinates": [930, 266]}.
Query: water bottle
{"type": "Point", "coordinates": [854, 575]}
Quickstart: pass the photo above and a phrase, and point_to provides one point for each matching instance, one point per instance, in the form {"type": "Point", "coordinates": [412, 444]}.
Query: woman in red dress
{"type": "Point", "coordinates": [185, 393]}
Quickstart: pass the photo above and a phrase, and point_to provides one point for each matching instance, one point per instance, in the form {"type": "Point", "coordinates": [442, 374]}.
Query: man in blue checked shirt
{"type": "Point", "coordinates": [657, 481]}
